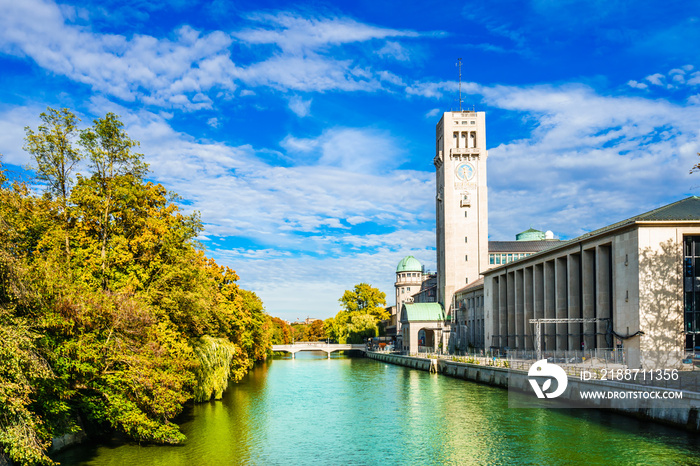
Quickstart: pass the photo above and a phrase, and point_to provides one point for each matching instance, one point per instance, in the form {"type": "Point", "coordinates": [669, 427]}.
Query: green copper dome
{"type": "Point", "coordinates": [409, 264]}
{"type": "Point", "coordinates": [530, 235]}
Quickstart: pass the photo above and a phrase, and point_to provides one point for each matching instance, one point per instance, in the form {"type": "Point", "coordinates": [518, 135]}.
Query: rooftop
{"type": "Point", "coordinates": [522, 246]}
{"type": "Point", "coordinates": [409, 264]}
{"type": "Point", "coordinates": [422, 312]}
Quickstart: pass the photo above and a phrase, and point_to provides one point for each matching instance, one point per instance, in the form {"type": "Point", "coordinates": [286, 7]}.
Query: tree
{"type": "Point", "coordinates": [361, 327]}
{"type": "Point", "coordinates": [315, 331]}
{"type": "Point", "coordinates": [113, 162]}
{"type": "Point", "coordinates": [52, 146]}
{"type": "Point", "coordinates": [281, 332]}
{"type": "Point", "coordinates": [118, 340]}
{"type": "Point", "coordinates": [365, 299]}
{"type": "Point", "coordinates": [336, 328]}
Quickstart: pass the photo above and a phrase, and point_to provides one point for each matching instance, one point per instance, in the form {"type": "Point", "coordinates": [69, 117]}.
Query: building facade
{"type": "Point", "coordinates": [633, 285]}
{"type": "Point", "coordinates": [628, 286]}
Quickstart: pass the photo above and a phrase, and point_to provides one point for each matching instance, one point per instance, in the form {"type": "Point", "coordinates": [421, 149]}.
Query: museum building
{"type": "Point", "coordinates": [631, 285]}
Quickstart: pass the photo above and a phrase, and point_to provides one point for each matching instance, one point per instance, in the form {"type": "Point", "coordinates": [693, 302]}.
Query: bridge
{"type": "Point", "coordinates": [328, 348]}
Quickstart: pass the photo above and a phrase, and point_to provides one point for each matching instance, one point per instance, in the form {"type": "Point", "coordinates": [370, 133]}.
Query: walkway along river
{"type": "Point", "coordinates": [314, 410]}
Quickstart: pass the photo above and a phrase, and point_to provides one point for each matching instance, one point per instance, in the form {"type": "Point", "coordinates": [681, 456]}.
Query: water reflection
{"type": "Point", "coordinates": [312, 410]}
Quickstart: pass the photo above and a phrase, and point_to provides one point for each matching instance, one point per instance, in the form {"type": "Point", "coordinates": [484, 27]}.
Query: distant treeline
{"type": "Point", "coordinates": [111, 316]}
{"type": "Point", "coordinates": [363, 316]}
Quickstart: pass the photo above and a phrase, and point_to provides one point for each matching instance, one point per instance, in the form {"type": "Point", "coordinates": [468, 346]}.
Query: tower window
{"type": "Point", "coordinates": [466, 258]}
{"type": "Point", "coordinates": [465, 239]}
{"type": "Point", "coordinates": [465, 214]}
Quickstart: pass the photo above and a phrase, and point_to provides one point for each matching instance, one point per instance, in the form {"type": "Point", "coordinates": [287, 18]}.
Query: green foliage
{"type": "Point", "coordinates": [361, 327]}
{"type": "Point", "coordinates": [363, 308]}
{"type": "Point", "coordinates": [21, 434]}
{"type": "Point", "coordinates": [214, 356]}
{"type": "Point", "coordinates": [365, 299]}
{"type": "Point", "coordinates": [52, 146]}
{"type": "Point", "coordinates": [336, 328]}
{"type": "Point", "coordinates": [109, 311]}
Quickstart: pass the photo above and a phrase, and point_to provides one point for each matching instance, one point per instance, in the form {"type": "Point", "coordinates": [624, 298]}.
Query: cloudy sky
{"type": "Point", "coordinates": [304, 132]}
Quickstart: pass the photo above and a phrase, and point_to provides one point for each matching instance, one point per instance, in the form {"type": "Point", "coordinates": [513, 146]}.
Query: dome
{"type": "Point", "coordinates": [530, 235]}
{"type": "Point", "coordinates": [409, 264]}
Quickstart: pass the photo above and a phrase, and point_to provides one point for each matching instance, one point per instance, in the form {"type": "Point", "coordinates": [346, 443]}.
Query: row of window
{"type": "Point", "coordinates": [499, 259]}
{"type": "Point", "coordinates": [691, 290]}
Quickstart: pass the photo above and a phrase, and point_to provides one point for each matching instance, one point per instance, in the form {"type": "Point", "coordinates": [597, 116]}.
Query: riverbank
{"type": "Point", "coordinates": [681, 413]}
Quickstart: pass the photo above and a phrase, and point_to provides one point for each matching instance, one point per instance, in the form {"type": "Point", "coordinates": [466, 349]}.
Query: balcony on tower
{"type": "Point", "coordinates": [474, 151]}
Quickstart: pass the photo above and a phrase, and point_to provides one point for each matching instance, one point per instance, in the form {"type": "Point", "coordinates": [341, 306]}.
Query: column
{"type": "Point", "coordinates": [549, 305]}
{"type": "Point", "coordinates": [604, 293]}
{"type": "Point", "coordinates": [495, 322]}
{"type": "Point", "coordinates": [588, 292]}
{"type": "Point", "coordinates": [511, 309]}
{"type": "Point", "coordinates": [561, 299]}
{"type": "Point", "coordinates": [538, 292]}
{"type": "Point", "coordinates": [528, 308]}
{"type": "Point", "coordinates": [519, 311]}
{"type": "Point", "coordinates": [502, 311]}
{"type": "Point", "coordinates": [574, 300]}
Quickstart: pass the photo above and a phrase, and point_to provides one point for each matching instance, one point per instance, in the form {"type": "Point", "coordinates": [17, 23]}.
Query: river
{"type": "Point", "coordinates": [313, 410]}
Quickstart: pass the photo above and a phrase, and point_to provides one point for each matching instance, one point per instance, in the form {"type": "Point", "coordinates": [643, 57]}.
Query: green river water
{"type": "Point", "coordinates": [316, 411]}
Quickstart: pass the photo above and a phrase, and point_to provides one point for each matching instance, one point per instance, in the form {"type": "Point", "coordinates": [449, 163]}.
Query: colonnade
{"type": "Point", "coordinates": [572, 285]}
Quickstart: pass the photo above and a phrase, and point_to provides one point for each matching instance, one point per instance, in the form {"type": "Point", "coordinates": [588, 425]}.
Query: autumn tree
{"type": "Point", "coordinates": [115, 167]}
{"type": "Point", "coordinates": [365, 299]}
{"type": "Point", "coordinates": [134, 324]}
{"type": "Point", "coordinates": [53, 146]}
{"type": "Point", "coordinates": [315, 331]}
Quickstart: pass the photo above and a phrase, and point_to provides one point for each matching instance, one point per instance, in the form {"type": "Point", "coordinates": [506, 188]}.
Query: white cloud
{"type": "Point", "coordinates": [438, 89]}
{"type": "Point", "coordinates": [394, 50]}
{"type": "Point", "coordinates": [591, 159]}
{"type": "Point", "coordinates": [636, 85]}
{"type": "Point", "coordinates": [299, 106]}
{"type": "Point", "coordinates": [213, 122]}
{"type": "Point", "coordinates": [12, 123]}
{"type": "Point", "coordinates": [298, 35]}
{"type": "Point", "coordinates": [695, 79]}
{"type": "Point", "coordinates": [655, 79]}
{"type": "Point", "coordinates": [166, 72]}
{"type": "Point", "coordinates": [432, 113]}
{"type": "Point", "coordinates": [181, 70]}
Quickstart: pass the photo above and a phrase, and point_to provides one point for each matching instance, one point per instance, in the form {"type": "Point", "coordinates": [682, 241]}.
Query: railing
{"type": "Point", "coordinates": [594, 363]}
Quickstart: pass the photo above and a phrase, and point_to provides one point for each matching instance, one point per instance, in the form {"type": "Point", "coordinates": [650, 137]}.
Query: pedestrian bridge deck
{"type": "Point", "coordinates": [319, 346]}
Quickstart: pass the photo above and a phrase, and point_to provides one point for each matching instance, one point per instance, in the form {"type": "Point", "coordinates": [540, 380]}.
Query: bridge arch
{"type": "Point", "coordinates": [327, 348]}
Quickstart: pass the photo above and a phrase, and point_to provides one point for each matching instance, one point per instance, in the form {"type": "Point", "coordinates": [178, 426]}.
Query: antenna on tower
{"type": "Point", "coordinates": [459, 65]}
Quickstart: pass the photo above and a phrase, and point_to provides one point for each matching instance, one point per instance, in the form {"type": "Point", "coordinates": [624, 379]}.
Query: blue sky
{"type": "Point", "coordinates": [304, 132]}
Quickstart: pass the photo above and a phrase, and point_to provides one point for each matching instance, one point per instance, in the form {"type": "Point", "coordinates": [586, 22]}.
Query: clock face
{"type": "Point", "coordinates": [465, 171]}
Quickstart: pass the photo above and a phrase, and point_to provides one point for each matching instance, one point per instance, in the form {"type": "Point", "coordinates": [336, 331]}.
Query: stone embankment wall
{"type": "Point", "coordinates": [680, 413]}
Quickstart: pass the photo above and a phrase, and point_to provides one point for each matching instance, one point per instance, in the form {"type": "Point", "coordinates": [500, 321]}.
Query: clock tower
{"type": "Point", "coordinates": [461, 204]}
